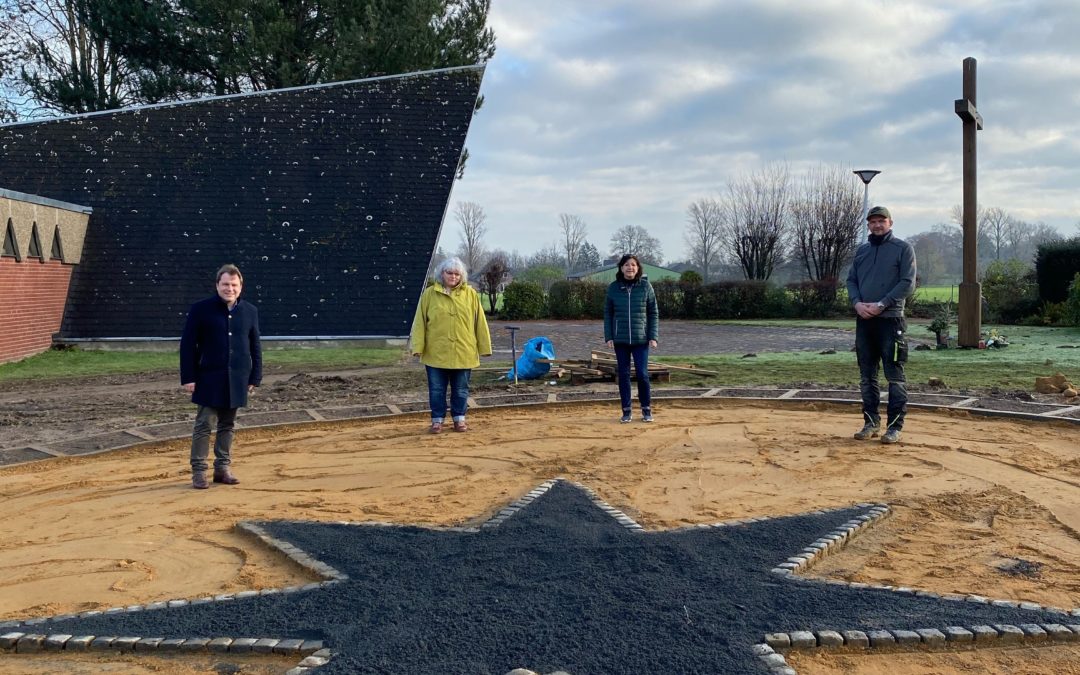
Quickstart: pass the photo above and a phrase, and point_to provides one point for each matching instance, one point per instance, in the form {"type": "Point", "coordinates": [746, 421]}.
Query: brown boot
{"type": "Point", "coordinates": [198, 480]}
{"type": "Point", "coordinates": [224, 476]}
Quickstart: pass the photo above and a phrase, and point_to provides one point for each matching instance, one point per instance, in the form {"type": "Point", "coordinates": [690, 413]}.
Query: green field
{"type": "Point", "coordinates": [938, 293]}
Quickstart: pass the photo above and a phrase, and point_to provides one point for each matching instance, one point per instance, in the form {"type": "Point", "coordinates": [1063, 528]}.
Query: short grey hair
{"type": "Point", "coordinates": [452, 264]}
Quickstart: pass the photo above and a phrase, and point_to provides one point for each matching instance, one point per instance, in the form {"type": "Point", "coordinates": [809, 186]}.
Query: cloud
{"type": "Point", "coordinates": [625, 111]}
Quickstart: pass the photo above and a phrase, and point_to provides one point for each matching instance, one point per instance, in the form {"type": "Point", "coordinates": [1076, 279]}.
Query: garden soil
{"type": "Point", "coordinates": [981, 506]}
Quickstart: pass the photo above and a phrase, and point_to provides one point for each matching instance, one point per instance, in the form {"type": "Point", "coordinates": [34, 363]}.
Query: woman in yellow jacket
{"type": "Point", "coordinates": [450, 334]}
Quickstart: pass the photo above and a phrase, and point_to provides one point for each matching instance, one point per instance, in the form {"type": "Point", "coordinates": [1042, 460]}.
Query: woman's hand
{"type": "Point", "coordinates": [610, 344]}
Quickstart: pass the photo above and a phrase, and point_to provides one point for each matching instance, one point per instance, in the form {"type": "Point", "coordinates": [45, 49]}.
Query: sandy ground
{"type": "Point", "coordinates": [982, 505]}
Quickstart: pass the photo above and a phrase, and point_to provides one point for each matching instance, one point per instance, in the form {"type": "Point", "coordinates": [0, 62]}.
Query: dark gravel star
{"type": "Point", "coordinates": [560, 585]}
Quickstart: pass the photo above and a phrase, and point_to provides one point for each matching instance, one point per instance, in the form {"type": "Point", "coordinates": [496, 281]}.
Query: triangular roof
{"type": "Point", "coordinates": [329, 198]}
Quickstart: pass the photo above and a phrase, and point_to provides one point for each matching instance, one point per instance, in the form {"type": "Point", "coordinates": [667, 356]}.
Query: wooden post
{"type": "Point", "coordinates": [969, 323]}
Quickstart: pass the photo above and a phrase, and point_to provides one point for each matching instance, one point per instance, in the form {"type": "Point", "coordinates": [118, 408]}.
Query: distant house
{"type": "Point", "coordinates": [330, 199]}
{"type": "Point", "coordinates": [606, 274]}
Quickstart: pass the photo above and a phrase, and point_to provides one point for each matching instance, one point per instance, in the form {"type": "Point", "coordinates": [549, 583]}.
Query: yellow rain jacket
{"type": "Point", "coordinates": [450, 329]}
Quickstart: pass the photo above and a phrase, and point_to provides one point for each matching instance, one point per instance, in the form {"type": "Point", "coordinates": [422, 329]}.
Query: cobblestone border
{"type": "Point", "coordinates": [771, 650]}
{"type": "Point", "coordinates": [312, 652]}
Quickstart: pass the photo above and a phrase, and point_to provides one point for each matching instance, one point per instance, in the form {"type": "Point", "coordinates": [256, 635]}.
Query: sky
{"type": "Point", "coordinates": [625, 111]}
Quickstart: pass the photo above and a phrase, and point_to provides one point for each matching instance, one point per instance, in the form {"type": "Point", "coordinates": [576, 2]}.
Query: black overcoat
{"type": "Point", "coordinates": [220, 352]}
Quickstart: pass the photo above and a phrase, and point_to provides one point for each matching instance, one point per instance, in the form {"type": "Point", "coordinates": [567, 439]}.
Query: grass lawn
{"type": "Point", "coordinates": [939, 293]}
{"type": "Point", "coordinates": [60, 364]}
{"type": "Point", "coordinates": [1033, 352]}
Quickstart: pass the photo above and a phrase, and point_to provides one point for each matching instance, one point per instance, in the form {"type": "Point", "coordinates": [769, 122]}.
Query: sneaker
{"type": "Point", "coordinates": [626, 417]}
{"type": "Point", "coordinates": [460, 426]}
{"type": "Point", "coordinates": [868, 431]}
{"type": "Point", "coordinates": [646, 415]}
{"type": "Point", "coordinates": [436, 428]}
{"type": "Point", "coordinates": [891, 436]}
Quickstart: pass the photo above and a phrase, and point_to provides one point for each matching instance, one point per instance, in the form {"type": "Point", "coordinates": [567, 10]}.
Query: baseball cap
{"type": "Point", "coordinates": [878, 211]}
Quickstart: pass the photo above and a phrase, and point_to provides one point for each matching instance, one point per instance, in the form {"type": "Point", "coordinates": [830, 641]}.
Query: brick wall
{"type": "Point", "coordinates": [32, 298]}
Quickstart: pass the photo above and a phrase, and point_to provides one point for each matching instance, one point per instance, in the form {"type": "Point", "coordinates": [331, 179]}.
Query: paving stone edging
{"type": "Point", "coordinates": [771, 650]}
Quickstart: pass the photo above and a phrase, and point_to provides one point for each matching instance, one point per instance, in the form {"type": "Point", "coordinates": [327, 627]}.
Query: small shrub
{"type": "Point", "coordinates": [813, 299]}
{"type": "Point", "coordinates": [577, 299]}
{"type": "Point", "coordinates": [562, 303]}
{"type": "Point", "coordinates": [1010, 290]}
{"type": "Point", "coordinates": [741, 300]}
{"type": "Point", "coordinates": [669, 299]}
{"type": "Point", "coordinates": [1072, 304]}
{"type": "Point", "coordinates": [593, 295]}
{"type": "Point", "coordinates": [1056, 263]}
{"type": "Point", "coordinates": [690, 285]}
{"type": "Point", "coordinates": [926, 309]}
{"type": "Point", "coordinates": [523, 300]}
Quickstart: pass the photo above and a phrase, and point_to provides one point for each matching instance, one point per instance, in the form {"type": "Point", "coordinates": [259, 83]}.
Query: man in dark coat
{"type": "Point", "coordinates": [220, 363]}
{"type": "Point", "coordinates": [881, 278]}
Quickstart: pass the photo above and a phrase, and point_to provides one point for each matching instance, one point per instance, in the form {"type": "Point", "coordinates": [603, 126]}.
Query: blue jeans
{"type": "Point", "coordinates": [640, 353]}
{"type": "Point", "coordinates": [458, 381]}
{"type": "Point", "coordinates": [875, 342]}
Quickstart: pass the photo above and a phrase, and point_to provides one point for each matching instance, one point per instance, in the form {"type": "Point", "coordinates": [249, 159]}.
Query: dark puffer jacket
{"type": "Point", "coordinates": [630, 313]}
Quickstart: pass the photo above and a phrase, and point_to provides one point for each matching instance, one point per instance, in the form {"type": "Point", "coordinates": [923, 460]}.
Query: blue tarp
{"type": "Point", "coordinates": [527, 366]}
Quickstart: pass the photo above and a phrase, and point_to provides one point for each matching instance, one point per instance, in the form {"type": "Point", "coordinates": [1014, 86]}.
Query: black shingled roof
{"type": "Point", "coordinates": [329, 198]}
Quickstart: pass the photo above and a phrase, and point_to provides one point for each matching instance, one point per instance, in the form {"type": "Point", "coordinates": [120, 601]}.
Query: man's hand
{"type": "Point", "coordinates": [652, 344]}
{"type": "Point", "coordinates": [610, 344]}
{"type": "Point", "coordinates": [189, 387]}
{"type": "Point", "coordinates": [251, 388]}
{"type": "Point", "coordinates": [867, 310]}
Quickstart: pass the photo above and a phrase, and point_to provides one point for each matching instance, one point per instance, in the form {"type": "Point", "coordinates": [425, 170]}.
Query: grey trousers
{"type": "Point", "coordinates": [205, 421]}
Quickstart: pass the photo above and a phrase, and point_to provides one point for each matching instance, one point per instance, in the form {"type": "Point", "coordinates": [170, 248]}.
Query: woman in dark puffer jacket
{"type": "Point", "coordinates": [631, 328]}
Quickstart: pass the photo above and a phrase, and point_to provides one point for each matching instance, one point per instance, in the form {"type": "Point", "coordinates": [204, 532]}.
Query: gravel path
{"type": "Point", "coordinates": [575, 339]}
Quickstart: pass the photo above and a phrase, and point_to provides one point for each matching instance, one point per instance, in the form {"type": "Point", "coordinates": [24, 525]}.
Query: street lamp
{"type": "Point", "coordinates": [866, 175]}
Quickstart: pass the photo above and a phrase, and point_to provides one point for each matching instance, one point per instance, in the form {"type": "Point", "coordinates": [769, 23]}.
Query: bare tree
{"type": "Point", "coordinates": [703, 235]}
{"type": "Point", "coordinates": [550, 256]}
{"type": "Point", "coordinates": [826, 221]}
{"type": "Point", "coordinates": [636, 239]}
{"type": "Point", "coordinates": [1025, 239]}
{"type": "Point", "coordinates": [493, 278]}
{"type": "Point", "coordinates": [573, 232]}
{"type": "Point", "coordinates": [471, 217]}
{"type": "Point", "coordinates": [982, 238]}
{"type": "Point", "coordinates": [756, 218]}
{"type": "Point", "coordinates": [998, 226]}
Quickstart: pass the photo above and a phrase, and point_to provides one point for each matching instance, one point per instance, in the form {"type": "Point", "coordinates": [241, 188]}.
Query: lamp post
{"type": "Point", "coordinates": [866, 175]}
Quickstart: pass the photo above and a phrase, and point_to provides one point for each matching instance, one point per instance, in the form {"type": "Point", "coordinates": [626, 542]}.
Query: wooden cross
{"type": "Point", "coordinates": [969, 324]}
